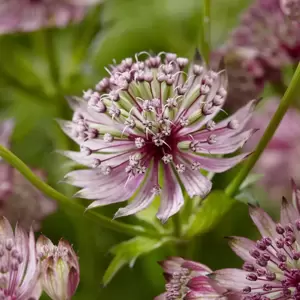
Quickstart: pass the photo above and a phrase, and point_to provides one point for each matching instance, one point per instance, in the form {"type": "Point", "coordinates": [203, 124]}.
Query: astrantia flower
{"type": "Point", "coordinates": [246, 75]}
{"type": "Point", "coordinates": [265, 41]}
{"type": "Point", "coordinates": [19, 200]}
{"type": "Point", "coordinates": [281, 159]}
{"type": "Point", "coordinates": [19, 270]}
{"type": "Point", "coordinates": [291, 8]}
{"type": "Point", "coordinates": [29, 15]}
{"type": "Point", "coordinates": [60, 268]}
{"type": "Point", "coordinates": [271, 269]}
{"type": "Point", "coordinates": [149, 118]}
{"type": "Point", "coordinates": [187, 279]}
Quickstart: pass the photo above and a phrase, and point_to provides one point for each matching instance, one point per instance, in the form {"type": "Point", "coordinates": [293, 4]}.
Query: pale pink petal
{"type": "Point", "coordinates": [202, 285]}
{"type": "Point", "coordinates": [288, 213]}
{"type": "Point", "coordinates": [5, 229]}
{"type": "Point", "coordinates": [233, 279]}
{"type": "Point", "coordinates": [195, 183]}
{"type": "Point", "coordinates": [143, 198]}
{"type": "Point", "coordinates": [263, 222]}
{"type": "Point", "coordinates": [215, 164]}
{"type": "Point", "coordinates": [241, 246]}
{"type": "Point", "coordinates": [115, 146]}
{"type": "Point", "coordinates": [225, 146]}
{"type": "Point", "coordinates": [120, 194]}
{"type": "Point", "coordinates": [171, 198]}
{"type": "Point", "coordinates": [296, 196]}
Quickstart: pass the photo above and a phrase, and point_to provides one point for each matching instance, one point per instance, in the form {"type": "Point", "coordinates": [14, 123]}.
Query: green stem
{"type": "Point", "coordinates": [205, 34]}
{"type": "Point", "coordinates": [287, 99]}
{"type": "Point", "coordinates": [53, 63]}
{"type": "Point", "coordinates": [71, 203]}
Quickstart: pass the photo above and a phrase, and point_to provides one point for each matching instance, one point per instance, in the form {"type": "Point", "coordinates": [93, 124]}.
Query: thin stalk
{"type": "Point", "coordinates": [71, 203]}
{"type": "Point", "coordinates": [205, 34]}
{"type": "Point", "coordinates": [286, 101]}
{"type": "Point", "coordinates": [53, 63]}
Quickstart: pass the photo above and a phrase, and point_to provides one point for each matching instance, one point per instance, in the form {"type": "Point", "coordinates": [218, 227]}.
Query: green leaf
{"type": "Point", "coordinates": [127, 252]}
{"type": "Point", "coordinates": [213, 208]}
{"type": "Point", "coordinates": [250, 180]}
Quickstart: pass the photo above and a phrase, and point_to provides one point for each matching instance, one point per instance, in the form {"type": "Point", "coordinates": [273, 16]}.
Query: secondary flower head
{"type": "Point", "coordinates": [281, 159]}
{"type": "Point", "coordinates": [271, 269]}
{"type": "Point", "coordinates": [28, 15]}
{"type": "Point", "coordinates": [19, 200]}
{"type": "Point", "coordinates": [149, 118]}
{"type": "Point", "coordinates": [291, 8]}
{"type": "Point", "coordinates": [265, 41]}
{"type": "Point", "coordinates": [60, 268]}
{"type": "Point", "coordinates": [19, 270]}
{"type": "Point", "coordinates": [187, 279]}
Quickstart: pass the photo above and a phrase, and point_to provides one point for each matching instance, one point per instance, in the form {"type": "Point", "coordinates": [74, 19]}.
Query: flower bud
{"type": "Point", "coordinates": [60, 268]}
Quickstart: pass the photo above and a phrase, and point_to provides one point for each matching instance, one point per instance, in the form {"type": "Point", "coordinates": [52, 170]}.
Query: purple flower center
{"type": "Point", "coordinates": [274, 272]}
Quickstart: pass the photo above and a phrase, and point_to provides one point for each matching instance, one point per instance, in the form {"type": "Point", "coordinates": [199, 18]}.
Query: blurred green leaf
{"type": "Point", "coordinates": [127, 253]}
{"type": "Point", "coordinates": [212, 209]}
{"type": "Point", "coordinates": [250, 180]}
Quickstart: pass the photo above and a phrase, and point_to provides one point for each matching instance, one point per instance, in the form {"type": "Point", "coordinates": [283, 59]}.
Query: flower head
{"type": "Point", "coordinates": [264, 42]}
{"type": "Point", "coordinates": [19, 200]}
{"type": "Point", "coordinates": [271, 269]}
{"type": "Point", "coordinates": [28, 15]}
{"type": "Point", "coordinates": [187, 279]}
{"type": "Point", "coordinates": [18, 263]}
{"type": "Point", "coordinates": [291, 8]}
{"type": "Point", "coordinates": [281, 159]}
{"type": "Point", "coordinates": [60, 268]}
{"type": "Point", "coordinates": [149, 118]}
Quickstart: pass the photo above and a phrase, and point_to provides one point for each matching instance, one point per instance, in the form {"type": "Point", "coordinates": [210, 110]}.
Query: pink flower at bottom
{"type": "Point", "coordinates": [187, 280]}
{"type": "Point", "coordinates": [271, 269]}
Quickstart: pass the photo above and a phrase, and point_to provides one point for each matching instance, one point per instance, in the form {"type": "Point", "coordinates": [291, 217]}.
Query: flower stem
{"type": "Point", "coordinates": [287, 99]}
{"type": "Point", "coordinates": [205, 34]}
{"type": "Point", "coordinates": [67, 203]}
{"type": "Point", "coordinates": [53, 64]}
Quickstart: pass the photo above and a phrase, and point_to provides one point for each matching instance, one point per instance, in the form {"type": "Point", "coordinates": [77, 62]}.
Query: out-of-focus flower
{"type": "Point", "coordinates": [6, 128]}
{"type": "Point", "coordinates": [59, 268]}
{"type": "Point", "coordinates": [246, 75]}
{"type": "Point", "coordinates": [149, 118]}
{"type": "Point", "coordinates": [187, 279]}
{"type": "Point", "coordinates": [281, 159]}
{"type": "Point", "coordinates": [19, 200]}
{"type": "Point", "coordinates": [257, 50]}
{"type": "Point", "coordinates": [271, 269]}
{"type": "Point", "coordinates": [18, 264]}
{"type": "Point", "coordinates": [29, 15]}
{"type": "Point", "coordinates": [291, 8]}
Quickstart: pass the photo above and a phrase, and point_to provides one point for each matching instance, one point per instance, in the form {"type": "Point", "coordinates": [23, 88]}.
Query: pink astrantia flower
{"type": "Point", "coordinates": [60, 268]}
{"type": "Point", "coordinates": [187, 279]}
{"type": "Point", "coordinates": [18, 263]}
{"type": "Point", "coordinates": [19, 200]}
{"type": "Point", "coordinates": [271, 269]}
{"type": "Point", "coordinates": [281, 159]}
{"type": "Point", "coordinates": [291, 8]}
{"type": "Point", "coordinates": [28, 15]}
{"type": "Point", "coordinates": [150, 118]}
{"type": "Point", "coordinates": [265, 41]}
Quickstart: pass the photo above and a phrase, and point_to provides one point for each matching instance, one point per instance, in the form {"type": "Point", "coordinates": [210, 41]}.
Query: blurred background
{"type": "Point", "coordinates": [112, 30]}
